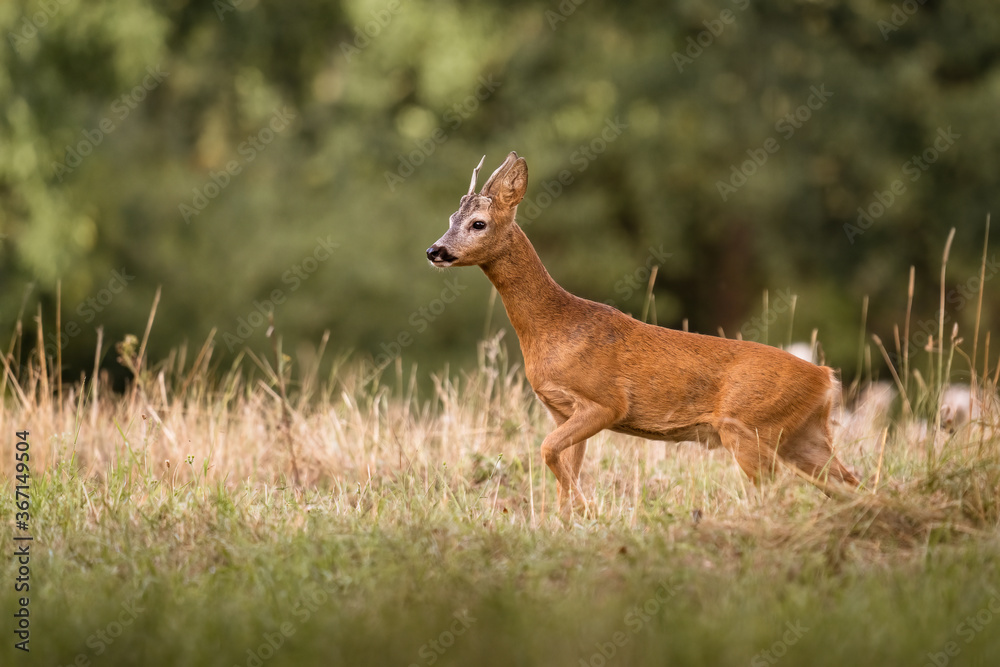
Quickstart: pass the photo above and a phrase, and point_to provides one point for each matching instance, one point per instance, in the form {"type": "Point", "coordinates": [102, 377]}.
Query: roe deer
{"type": "Point", "coordinates": [596, 368]}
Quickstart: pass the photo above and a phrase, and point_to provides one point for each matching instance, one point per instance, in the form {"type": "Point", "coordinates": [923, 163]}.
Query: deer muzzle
{"type": "Point", "coordinates": [438, 255]}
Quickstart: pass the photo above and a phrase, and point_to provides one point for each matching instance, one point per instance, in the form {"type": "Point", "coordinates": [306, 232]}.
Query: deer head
{"type": "Point", "coordinates": [478, 230]}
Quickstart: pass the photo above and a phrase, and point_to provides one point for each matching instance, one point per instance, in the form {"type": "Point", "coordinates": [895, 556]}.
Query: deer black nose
{"type": "Point", "coordinates": [439, 252]}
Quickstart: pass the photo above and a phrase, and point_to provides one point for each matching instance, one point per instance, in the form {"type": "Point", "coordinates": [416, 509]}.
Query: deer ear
{"type": "Point", "coordinates": [514, 184]}
{"type": "Point", "coordinates": [493, 182]}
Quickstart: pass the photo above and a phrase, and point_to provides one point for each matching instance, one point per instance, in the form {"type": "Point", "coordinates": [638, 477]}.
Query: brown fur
{"type": "Point", "coordinates": [596, 368]}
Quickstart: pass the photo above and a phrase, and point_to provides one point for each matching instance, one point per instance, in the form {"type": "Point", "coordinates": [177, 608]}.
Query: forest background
{"type": "Point", "coordinates": [298, 157]}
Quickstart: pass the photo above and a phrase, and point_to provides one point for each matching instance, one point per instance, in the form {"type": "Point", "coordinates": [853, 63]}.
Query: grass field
{"type": "Point", "coordinates": [270, 515]}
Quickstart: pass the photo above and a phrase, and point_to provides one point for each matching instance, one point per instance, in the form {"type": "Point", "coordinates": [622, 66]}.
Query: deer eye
{"type": "Point", "coordinates": [479, 224]}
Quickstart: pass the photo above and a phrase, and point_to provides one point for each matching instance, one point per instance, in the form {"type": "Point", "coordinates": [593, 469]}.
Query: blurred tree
{"type": "Point", "coordinates": [299, 156]}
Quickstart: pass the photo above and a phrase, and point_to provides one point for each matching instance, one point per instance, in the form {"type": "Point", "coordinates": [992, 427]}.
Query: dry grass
{"type": "Point", "coordinates": [481, 431]}
{"type": "Point", "coordinates": [413, 504]}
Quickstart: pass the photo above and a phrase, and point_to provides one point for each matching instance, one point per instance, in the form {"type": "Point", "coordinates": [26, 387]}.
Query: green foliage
{"type": "Point", "coordinates": [367, 89]}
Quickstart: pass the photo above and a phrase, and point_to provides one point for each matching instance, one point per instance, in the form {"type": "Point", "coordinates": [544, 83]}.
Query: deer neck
{"type": "Point", "coordinates": [530, 295]}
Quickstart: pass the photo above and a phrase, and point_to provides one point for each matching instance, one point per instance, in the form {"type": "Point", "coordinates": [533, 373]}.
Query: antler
{"type": "Point", "coordinates": [475, 175]}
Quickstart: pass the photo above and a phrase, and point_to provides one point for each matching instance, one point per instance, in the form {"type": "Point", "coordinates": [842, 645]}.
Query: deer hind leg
{"type": "Point", "coordinates": [588, 420]}
{"type": "Point", "coordinates": [753, 453]}
{"type": "Point", "coordinates": [811, 451]}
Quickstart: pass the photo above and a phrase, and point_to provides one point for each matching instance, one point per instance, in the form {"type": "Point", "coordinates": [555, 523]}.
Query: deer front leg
{"type": "Point", "coordinates": [572, 456]}
{"type": "Point", "coordinates": [588, 420]}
